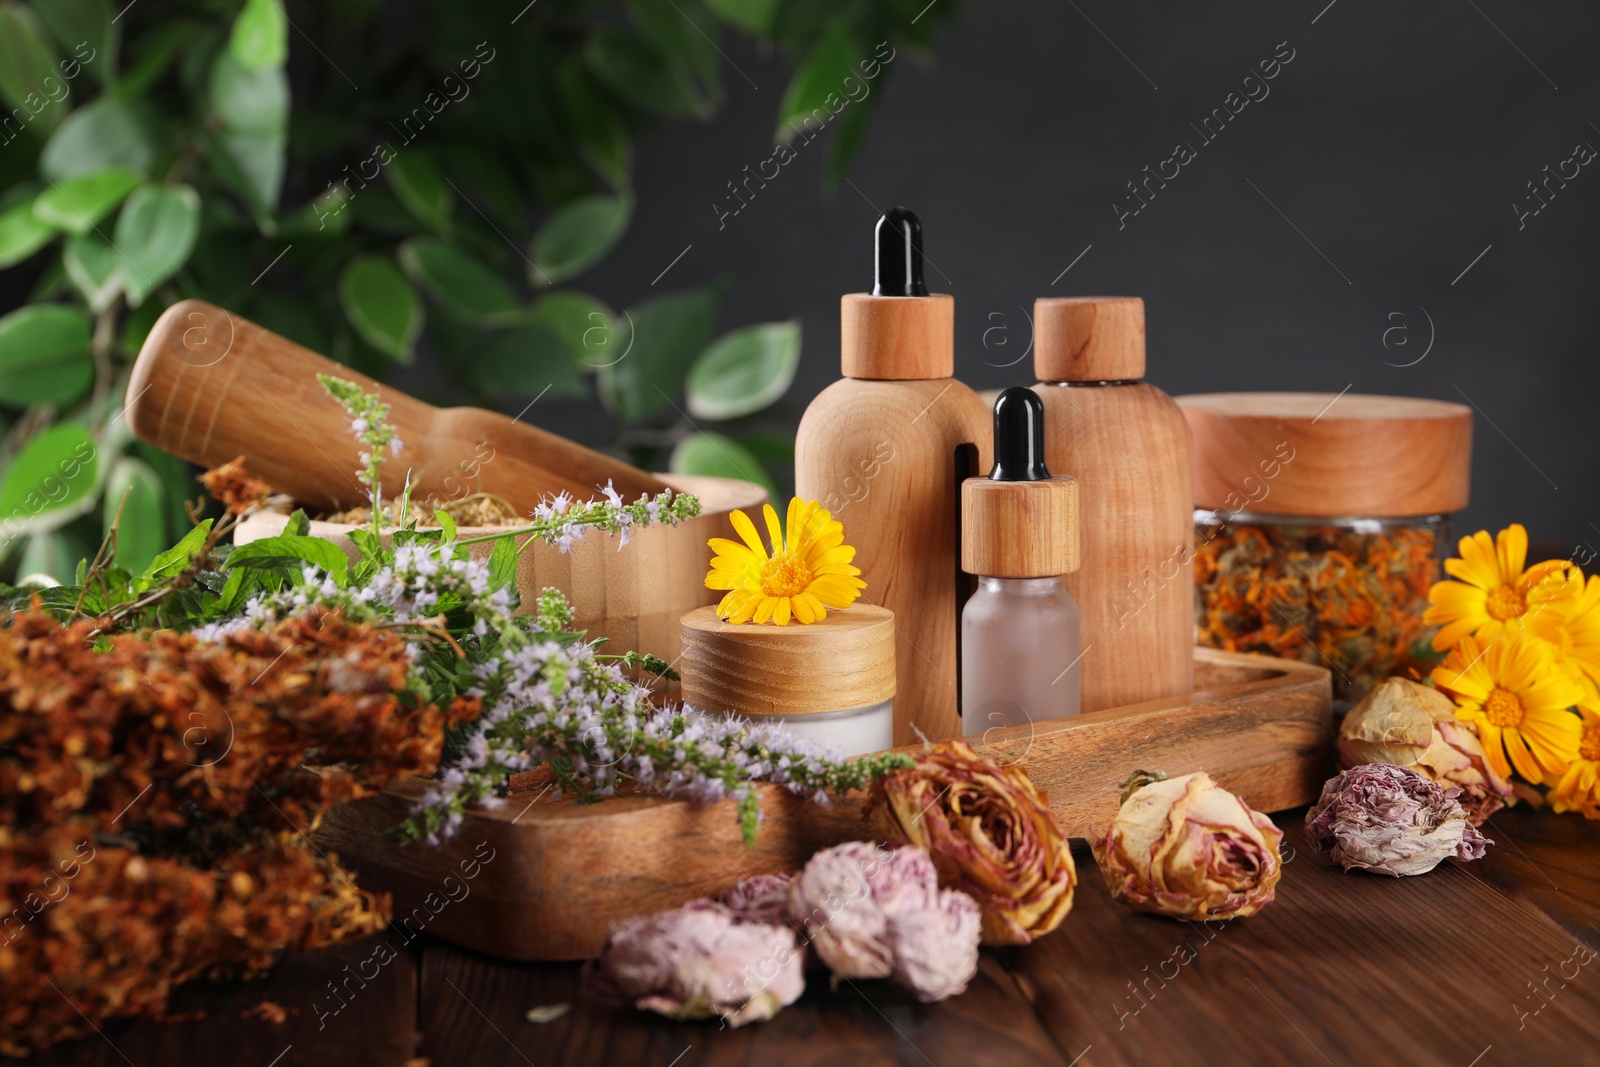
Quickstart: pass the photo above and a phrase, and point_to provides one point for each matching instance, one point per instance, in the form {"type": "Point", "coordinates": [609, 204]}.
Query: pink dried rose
{"type": "Point", "coordinates": [1187, 848]}
{"type": "Point", "coordinates": [990, 833]}
{"type": "Point", "coordinates": [936, 947]}
{"type": "Point", "coordinates": [697, 961]}
{"type": "Point", "coordinates": [833, 903]}
{"type": "Point", "coordinates": [762, 898]}
{"type": "Point", "coordinates": [1391, 820]}
{"type": "Point", "coordinates": [1407, 724]}
{"type": "Point", "coordinates": [871, 912]}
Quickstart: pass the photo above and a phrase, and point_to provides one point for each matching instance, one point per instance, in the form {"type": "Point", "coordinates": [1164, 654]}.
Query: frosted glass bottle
{"type": "Point", "coordinates": [1020, 657]}
{"type": "Point", "coordinates": [1020, 630]}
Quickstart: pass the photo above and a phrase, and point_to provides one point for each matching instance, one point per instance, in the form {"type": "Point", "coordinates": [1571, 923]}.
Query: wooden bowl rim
{"type": "Point", "coordinates": [718, 496]}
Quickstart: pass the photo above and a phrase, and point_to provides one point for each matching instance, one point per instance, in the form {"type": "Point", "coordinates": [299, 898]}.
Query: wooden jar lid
{"type": "Point", "coordinates": [1088, 338]}
{"type": "Point", "coordinates": [898, 338]}
{"type": "Point", "coordinates": [1329, 454]}
{"type": "Point", "coordinates": [1019, 529]}
{"type": "Point", "coordinates": [844, 661]}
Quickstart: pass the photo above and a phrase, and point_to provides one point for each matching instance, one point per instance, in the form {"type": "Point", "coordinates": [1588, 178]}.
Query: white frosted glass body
{"type": "Point", "coordinates": [852, 732]}
{"type": "Point", "coordinates": [1019, 653]}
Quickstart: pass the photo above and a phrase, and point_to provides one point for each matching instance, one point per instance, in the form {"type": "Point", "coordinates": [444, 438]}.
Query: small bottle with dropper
{"type": "Point", "coordinates": [1020, 630]}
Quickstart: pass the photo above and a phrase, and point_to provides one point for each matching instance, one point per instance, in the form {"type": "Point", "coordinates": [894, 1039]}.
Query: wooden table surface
{"type": "Point", "coordinates": [1474, 965]}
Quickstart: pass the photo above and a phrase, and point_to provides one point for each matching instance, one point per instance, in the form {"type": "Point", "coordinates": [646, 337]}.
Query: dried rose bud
{"type": "Point", "coordinates": [763, 898]}
{"type": "Point", "coordinates": [1391, 820]}
{"type": "Point", "coordinates": [990, 833]}
{"type": "Point", "coordinates": [871, 912]}
{"type": "Point", "coordinates": [1406, 724]}
{"type": "Point", "coordinates": [833, 902]}
{"type": "Point", "coordinates": [936, 947]}
{"type": "Point", "coordinates": [1187, 848]}
{"type": "Point", "coordinates": [696, 961]}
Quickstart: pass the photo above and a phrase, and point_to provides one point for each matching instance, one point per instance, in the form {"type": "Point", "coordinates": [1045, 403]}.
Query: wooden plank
{"type": "Point", "coordinates": [1342, 969]}
{"type": "Point", "coordinates": [1549, 862]}
{"type": "Point", "coordinates": [474, 1011]}
{"type": "Point", "coordinates": [564, 872]}
{"type": "Point", "coordinates": [376, 1027]}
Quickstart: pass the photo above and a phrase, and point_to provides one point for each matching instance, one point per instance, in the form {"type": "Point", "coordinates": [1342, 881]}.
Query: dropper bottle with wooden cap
{"type": "Point", "coordinates": [1020, 630]}
{"type": "Point", "coordinates": [886, 450]}
{"type": "Point", "coordinates": [1127, 443]}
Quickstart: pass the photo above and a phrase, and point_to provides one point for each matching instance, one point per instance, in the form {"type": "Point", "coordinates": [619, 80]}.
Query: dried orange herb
{"type": "Point", "coordinates": [235, 488]}
{"type": "Point", "coordinates": [153, 805]}
{"type": "Point", "coordinates": [1350, 601]}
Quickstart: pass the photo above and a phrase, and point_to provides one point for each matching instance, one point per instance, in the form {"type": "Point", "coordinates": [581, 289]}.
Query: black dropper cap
{"type": "Point", "coordinates": [1019, 437]}
{"type": "Point", "coordinates": [897, 259]}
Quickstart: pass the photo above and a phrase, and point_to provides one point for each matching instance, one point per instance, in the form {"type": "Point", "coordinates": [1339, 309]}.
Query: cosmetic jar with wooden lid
{"type": "Point", "coordinates": [831, 681]}
{"type": "Point", "coordinates": [1320, 523]}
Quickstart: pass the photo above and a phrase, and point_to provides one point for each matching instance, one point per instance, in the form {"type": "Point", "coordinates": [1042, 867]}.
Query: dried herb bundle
{"type": "Point", "coordinates": [171, 728]}
{"type": "Point", "coordinates": [153, 804]}
{"type": "Point", "coordinates": [127, 928]}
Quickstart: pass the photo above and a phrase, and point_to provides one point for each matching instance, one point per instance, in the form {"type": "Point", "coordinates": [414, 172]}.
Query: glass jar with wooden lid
{"type": "Point", "coordinates": [831, 681]}
{"type": "Point", "coordinates": [1320, 523]}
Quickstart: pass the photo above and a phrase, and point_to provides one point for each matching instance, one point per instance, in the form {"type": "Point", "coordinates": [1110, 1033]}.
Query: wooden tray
{"type": "Point", "coordinates": [550, 876]}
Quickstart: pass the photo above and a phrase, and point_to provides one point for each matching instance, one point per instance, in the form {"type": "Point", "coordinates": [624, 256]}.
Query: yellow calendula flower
{"type": "Point", "coordinates": [1574, 633]}
{"type": "Point", "coordinates": [1519, 699]}
{"type": "Point", "coordinates": [1578, 787]}
{"type": "Point", "coordinates": [805, 573]}
{"type": "Point", "coordinates": [1495, 595]}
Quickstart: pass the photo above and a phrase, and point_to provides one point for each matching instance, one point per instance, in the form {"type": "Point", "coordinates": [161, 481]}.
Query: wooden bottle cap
{"type": "Point", "coordinates": [1019, 529]}
{"type": "Point", "coordinates": [844, 661]}
{"type": "Point", "coordinates": [897, 338]}
{"type": "Point", "coordinates": [1088, 338]}
{"type": "Point", "coordinates": [1329, 455]}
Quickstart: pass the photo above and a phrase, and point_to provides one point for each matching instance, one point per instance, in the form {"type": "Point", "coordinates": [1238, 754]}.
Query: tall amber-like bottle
{"type": "Point", "coordinates": [886, 450]}
{"type": "Point", "coordinates": [1127, 443]}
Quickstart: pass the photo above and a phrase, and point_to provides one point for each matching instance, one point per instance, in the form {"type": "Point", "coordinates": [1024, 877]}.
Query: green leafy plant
{"type": "Point", "coordinates": [371, 180]}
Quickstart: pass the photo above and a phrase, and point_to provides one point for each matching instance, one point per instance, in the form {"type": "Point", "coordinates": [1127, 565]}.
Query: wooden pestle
{"type": "Point", "coordinates": [210, 386]}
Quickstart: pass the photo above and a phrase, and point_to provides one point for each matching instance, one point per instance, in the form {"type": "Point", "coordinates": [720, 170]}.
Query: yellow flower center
{"type": "Point", "coordinates": [784, 577]}
{"type": "Point", "coordinates": [1589, 747]}
{"type": "Point", "coordinates": [1503, 708]}
{"type": "Point", "coordinates": [1506, 603]}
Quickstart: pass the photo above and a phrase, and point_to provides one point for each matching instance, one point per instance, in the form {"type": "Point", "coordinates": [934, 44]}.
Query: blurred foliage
{"type": "Point", "coordinates": [365, 178]}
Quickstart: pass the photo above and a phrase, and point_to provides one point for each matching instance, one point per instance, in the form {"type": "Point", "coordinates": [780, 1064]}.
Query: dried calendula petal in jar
{"type": "Point", "coordinates": [1319, 522]}
{"type": "Point", "coordinates": [1348, 599]}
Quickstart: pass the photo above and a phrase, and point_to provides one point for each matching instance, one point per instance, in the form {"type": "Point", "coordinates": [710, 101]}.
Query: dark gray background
{"type": "Point", "coordinates": [1396, 141]}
